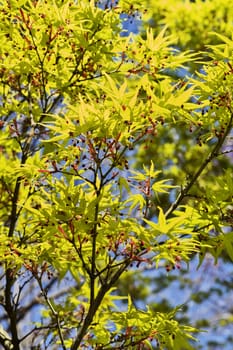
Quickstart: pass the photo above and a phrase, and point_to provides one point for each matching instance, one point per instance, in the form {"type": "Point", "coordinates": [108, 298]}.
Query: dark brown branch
{"type": "Point", "coordinates": [9, 307]}
{"type": "Point", "coordinates": [36, 329]}
{"type": "Point", "coordinates": [94, 307]}
{"type": "Point", "coordinates": [213, 154]}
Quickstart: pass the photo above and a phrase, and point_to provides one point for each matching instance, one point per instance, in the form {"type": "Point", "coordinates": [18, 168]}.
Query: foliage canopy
{"type": "Point", "coordinates": [115, 160]}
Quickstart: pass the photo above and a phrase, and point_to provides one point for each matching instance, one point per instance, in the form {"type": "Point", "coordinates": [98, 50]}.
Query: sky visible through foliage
{"type": "Point", "coordinates": [116, 175]}
{"type": "Point", "coordinates": [206, 279]}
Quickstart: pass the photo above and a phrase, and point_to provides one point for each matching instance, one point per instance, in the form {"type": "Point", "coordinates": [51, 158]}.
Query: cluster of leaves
{"type": "Point", "coordinates": [78, 101]}
{"type": "Point", "coordinates": [179, 154]}
{"type": "Point", "coordinates": [193, 32]}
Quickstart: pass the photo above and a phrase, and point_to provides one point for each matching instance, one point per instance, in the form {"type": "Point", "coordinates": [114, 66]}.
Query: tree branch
{"type": "Point", "coordinates": [213, 154]}
{"type": "Point", "coordinates": [95, 305]}
{"type": "Point", "coordinates": [11, 312]}
{"type": "Point", "coordinates": [54, 312]}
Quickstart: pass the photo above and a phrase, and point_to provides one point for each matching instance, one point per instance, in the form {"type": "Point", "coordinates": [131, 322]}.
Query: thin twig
{"type": "Point", "coordinates": [213, 154]}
